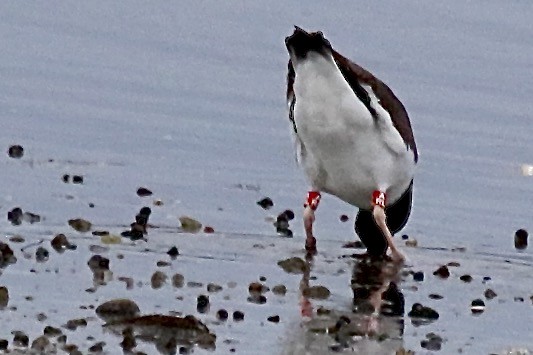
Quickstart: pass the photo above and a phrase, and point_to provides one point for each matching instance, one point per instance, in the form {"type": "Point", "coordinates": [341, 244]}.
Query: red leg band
{"type": "Point", "coordinates": [313, 199]}
{"type": "Point", "coordinates": [378, 198]}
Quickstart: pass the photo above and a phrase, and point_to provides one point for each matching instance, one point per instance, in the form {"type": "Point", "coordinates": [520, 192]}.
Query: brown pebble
{"type": "Point", "coordinates": [128, 280]}
{"type": "Point", "coordinates": [453, 264]}
{"type": "Point", "coordinates": [316, 292]}
{"type": "Point", "coordinates": [273, 319]}
{"type": "Point", "coordinates": [194, 284]}
{"type": "Point", "coordinates": [178, 280]}
{"type": "Point", "coordinates": [158, 279]}
{"type": "Point", "coordinates": [117, 309]}
{"type": "Point", "coordinates": [279, 290]}
{"type": "Point", "coordinates": [20, 339]}
{"type": "Point", "coordinates": [41, 344]}
{"type": "Point", "coordinates": [344, 218]}
{"type": "Point", "coordinates": [52, 331]}
{"type": "Point", "coordinates": [294, 265]}
{"type": "Point", "coordinates": [97, 348]}
{"type": "Point", "coordinates": [4, 297]}
{"type": "Point", "coordinates": [80, 225]}
{"type": "Point", "coordinates": [209, 230]}
{"type": "Point", "coordinates": [60, 243]}
{"type": "Point", "coordinates": [17, 239]}
{"type": "Point", "coordinates": [212, 288]}
{"type": "Point", "coordinates": [15, 151]}
{"type": "Point", "coordinates": [257, 288]}
{"type": "Point", "coordinates": [98, 262]}
{"type": "Point", "coordinates": [73, 324]}
{"type": "Point", "coordinates": [520, 239]}
{"type": "Point", "coordinates": [442, 272]}
{"type": "Point", "coordinates": [143, 192]}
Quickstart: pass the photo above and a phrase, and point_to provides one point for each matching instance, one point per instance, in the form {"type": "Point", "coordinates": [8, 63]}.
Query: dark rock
{"type": "Point", "coordinates": [173, 252]}
{"type": "Point", "coordinates": [257, 299]}
{"type": "Point", "coordinates": [212, 288]}
{"type": "Point", "coordinates": [73, 324]}
{"type": "Point", "coordinates": [41, 255]}
{"type": "Point", "coordinates": [52, 331]}
{"type": "Point", "coordinates": [477, 306]}
{"type": "Point", "coordinates": [178, 280]}
{"type": "Point", "coordinates": [3, 344]}
{"type": "Point", "coordinates": [128, 342]}
{"type": "Point", "coordinates": [15, 216]}
{"type": "Point", "coordinates": [405, 237]}
{"type": "Point", "coordinates": [222, 314]}
{"type": "Point", "coordinates": [15, 151]}
{"type": "Point", "coordinates": [316, 292]}
{"type": "Point", "coordinates": [17, 239]}
{"type": "Point", "coordinates": [65, 178]}
{"type": "Point", "coordinates": [520, 239]}
{"type": "Point", "coordinates": [265, 203]}
{"type": "Point", "coordinates": [433, 342]}
{"type": "Point", "coordinates": [20, 339]}
{"type": "Point", "coordinates": [202, 304]}
{"type": "Point", "coordinates": [4, 297]}
{"type": "Point", "coordinates": [80, 225]}
{"type": "Point", "coordinates": [77, 179]}
{"type": "Point", "coordinates": [519, 299]}
{"type": "Point", "coordinates": [41, 345]}
{"type": "Point", "coordinates": [162, 263]}
{"type": "Point", "coordinates": [6, 255]}
{"type": "Point", "coordinates": [98, 262]}
{"type": "Point", "coordinates": [418, 276]}
{"type": "Point", "coordinates": [128, 281]}
{"type": "Point", "coordinates": [419, 311]}
{"type": "Point", "coordinates": [31, 218]}
{"type": "Point", "coordinates": [143, 192]}
{"type": "Point", "coordinates": [273, 319]}
{"type": "Point", "coordinates": [238, 316]}
{"type": "Point", "coordinates": [158, 279]}
{"type": "Point", "coordinates": [466, 278]}
{"type": "Point", "coordinates": [209, 230]}
{"type": "Point", "coordinates": [453, 264]}
{"type": "Point", "coordinates": [97, 348]}
{"type": "Point", "coordinates": [344, 218]}
{"type": "Point", "coordinates": [442, 272]}
{"type": "Point", "coordinates": [117, 309]}
{"type": "Point", "coordinates": [289, 214]}
{"type": "Point", "coordinates": [262, 278]}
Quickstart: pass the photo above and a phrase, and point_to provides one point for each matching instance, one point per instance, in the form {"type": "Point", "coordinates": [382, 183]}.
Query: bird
{"type": "Point", "coordinates": [353, 139]}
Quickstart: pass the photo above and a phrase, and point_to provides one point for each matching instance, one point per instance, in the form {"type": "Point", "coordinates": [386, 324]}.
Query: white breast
{"type": "Point", "coordinates": [344, 150]}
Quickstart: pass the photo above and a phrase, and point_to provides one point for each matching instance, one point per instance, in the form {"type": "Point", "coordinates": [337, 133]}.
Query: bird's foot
{"type": "Point", "coordinates": [310, 245]}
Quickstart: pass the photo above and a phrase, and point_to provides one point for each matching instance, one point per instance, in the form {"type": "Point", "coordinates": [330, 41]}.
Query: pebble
{"type": "Point", "coordinates": [4, 297]}
{"type": "Point", "coordinates": [117, 309]}
{"type": "Point", "coordinates": [257, 288]}
{"type": "Point", "coordinates": [17, 239]}
{"type": "Point", "coordinates": [344, 218]}
{"type": "Point", "coordinates": [97, 348]}
{"type": "Point", "coordinates": [80, 225]}
{"type": "Point", "coordinates": [3, 344]}
{"type": "Point", "coordinates": [31, 218]}
{"type": "Point", "coordinates": [257, 299]}
{"type": "Point", "coordinates": [520, 239]}
{"type": "Point", "coordinates": [466, 278]}
{"type": "Point", "coordinates": [15, 216]}
{"type": "Point", "coordinates": [442, 272]}
{"type": "Point", "coordinates": [41, 344]}
{"type": "Point", "coordinates": [158, 279]}
{"type": "Point", "coordinates": [289, 214]}
{"type": "Point", "coordinates": [60, 243]}
{"type": "Point", "coordinates": [20, 339]}
{"type": "Point", "coordinates": [144, 192]}
{"type": "Point", "coordinates": [316, 292]}
{"type": "Point", "coordinates": [202, 304]}
{"type": "Point", "coordinates": [52, 331]}
{"type": "Point", "coordinates": [222, 314]}
{"type": "Point", "coordinates": [418, 276]}
{"type": "Point", "coordinates": [273, 319]}
{"type": "Point", "coordinates": [209, 230]}
{"type": "Point", "coordinates": [128, 280]}
{"type": "Point", "coordinates": [435, 296]}
{"type": "Point", "coordinates": [238, 316]}
{"type": "Point", "coordinates": [98, 262]}
{"type": "Point", "coordinates": [6, 255]}
{"type": "Point", "coordinates": [15, 151]}
{"type": "Point", "coordinates": [74, 324]}
{"type": "Point", "coordinates": [433, 342]}
{"type": "Point", "coordinates": [162, 263]}
{"type": "Point", "coordinates": [178, 280]}
{"type": "Point", "coordinates": [413, 243]}
{"type": "Point", "coordinates": [77, 179]}
{"type": "Point", "coordinates": [212, 288]}
{"type": "Point", "coordinates": [294, 265]}
{"type": "Point", "coordinates": [173, 252]}
{"type": "Point", "coordinates": [453, 264]}
{"type": "Point", "coordinates": [477, 306]}
{"type": "Point", "coordinates": [265, 203]}
{"type": "Point", "coordinates": [190, 225]}
{"type": "Point", "coordinates": [420, 311]}
{"type": "Point", "coordinates": [41, 255]}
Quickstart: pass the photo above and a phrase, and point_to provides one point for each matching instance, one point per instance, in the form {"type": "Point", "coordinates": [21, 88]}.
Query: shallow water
{"type": "Point", "coordinates": [189, 102]}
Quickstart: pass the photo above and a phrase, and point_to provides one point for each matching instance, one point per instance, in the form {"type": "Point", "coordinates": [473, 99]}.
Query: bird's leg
{"type": "Point", "coordinates": [378, 211]}
{"type": "Point", "coordinates": [311, 204]}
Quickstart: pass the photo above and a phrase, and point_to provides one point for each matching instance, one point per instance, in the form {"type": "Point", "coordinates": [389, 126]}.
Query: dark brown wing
{"type": "Point", "coordinates": [355, 75]}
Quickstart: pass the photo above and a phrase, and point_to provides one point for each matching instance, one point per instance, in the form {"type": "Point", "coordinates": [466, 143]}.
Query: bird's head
{"type": "Point", "coordinates": [301, 43]}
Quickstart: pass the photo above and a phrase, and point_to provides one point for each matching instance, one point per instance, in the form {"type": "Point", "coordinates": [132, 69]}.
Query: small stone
{"type": "Point", "coordinates": [222, 314]}
{"type": "Point", "coordinates": [442, 272]}
{"type": "Point", "coordinates": [294, 265]}
{"type": "Point", "coordinates": [257, 288]}
{"type": "Point", "coordinates": [41, 255]}
{"type": "Point", "coordinates": [41, 317]}
{"type": "Point", "coordinates": [128, 341]}
{"type": "Point", "coordinates": [97, 348]}
{"type": "Point", "coordinates": [4, 297]}
{"type": "Point", "coordinates": [41, 344]}
{"type": "Point", "coordinates": [453, 264]}
{"type": "Point", "coordinates": [279, 290]}
{"type": "Point", "coordinates": [190, 225]}
{"type": "Point", "coordinates": [17, 239]}
{"type": "Point", "coordinates": [212, 288]}
{"type": "Point", "coordinates": [273, 319]}
{"type": "Point", "coordinates": [238, 316]}
{"type": "Point", "coordinates": [405, 237]}
{"type": "Point", "coordinates": [355, 245]}
{"type": "Point", "coordinates": [519, 299]}
{"type": "Point", "coordinates": [486, 279]}
{"type": "Point", "coordinates": [143, 192]}
{"type": "Point", "coordinates": [209, 230]}
{"type": "Point", "coordinates": [477, 306]}
{"type": "Point", "coordinates": [77, 179]}
{"type": "Point", "coordinates": [73, 324]}
{"type": "Point", "coordinates": [202, 304]}
{"type": "Point", "coordinates": [3, 344]}
{"type": "Point", "coordinates": [31, 218]}
{"type": "Point", "coordinates": [128, 280]}
{"type": "Point", "coordinates": [194, 284]}
{"type": "Point", "coordinates": [433, 342]}
{"type": "Point", "coordinates": [178, 280]}
{"type": "Point", "coordinates": [413, 243]}
{"type": "Point", "coordinates": [52, 331]}
{"type": "Point", "coordinates": [80, 225]}
{"type": "Point", "coordinates": [419, 311]}
{"type": "Point", "coordinates": [173, 252]}
{"type": "Point", "coordinates": [60, 243]}
{"type": "Point", "coordinates": [289, 214]}
{"type": "Point", "coordinates": [520, 239]}
{"type": "Point", "coordinates": [117, 309]}
{"type": "Point", "coordinates": [158, 279]}
{"type": "Point", "coordinates": [418, 276]}
{"type": "Point", "coordinates": [162, 263]}
{"type": "Point", "coordinates": [316, 292]}
{"type": "Point", "coordinates": [466, 278]}
{"type": "Point", "coordinates": [15, 216]}
{"type": "Point", "coordinates": [435, 296]}
{"type": "Point", "coordinates": [65, 178]}
{"type": "Point", "coordinates": [262, 278]}
{"type": "Point", "coordinates": [158, 202]}
{"type": "Point", "coordinates": [257, 299]}
{"type": "Point", "coordinates": [98, 262]}
{"type": "Point", "coordinates": [15, 151]}
{"type": "Point", "coordinates": [20, 339]}
{"type": "Point", "coordinates": [344, 218]}
{"type": "Point", "coordinates": [265, 203]}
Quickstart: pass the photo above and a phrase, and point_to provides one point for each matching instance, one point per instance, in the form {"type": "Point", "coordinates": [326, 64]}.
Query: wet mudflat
{"type": "Point", "coordinates": [136, 143]}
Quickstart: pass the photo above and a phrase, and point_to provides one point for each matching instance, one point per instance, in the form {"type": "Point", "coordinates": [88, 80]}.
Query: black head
{"type": "Point", "coordinates": [301, 43]}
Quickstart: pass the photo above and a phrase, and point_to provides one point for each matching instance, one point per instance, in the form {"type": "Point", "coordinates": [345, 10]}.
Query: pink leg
{"type": "Point", "coordinates": [378, 211]}
{"type": "Point", "coordinates": [311, 204]}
